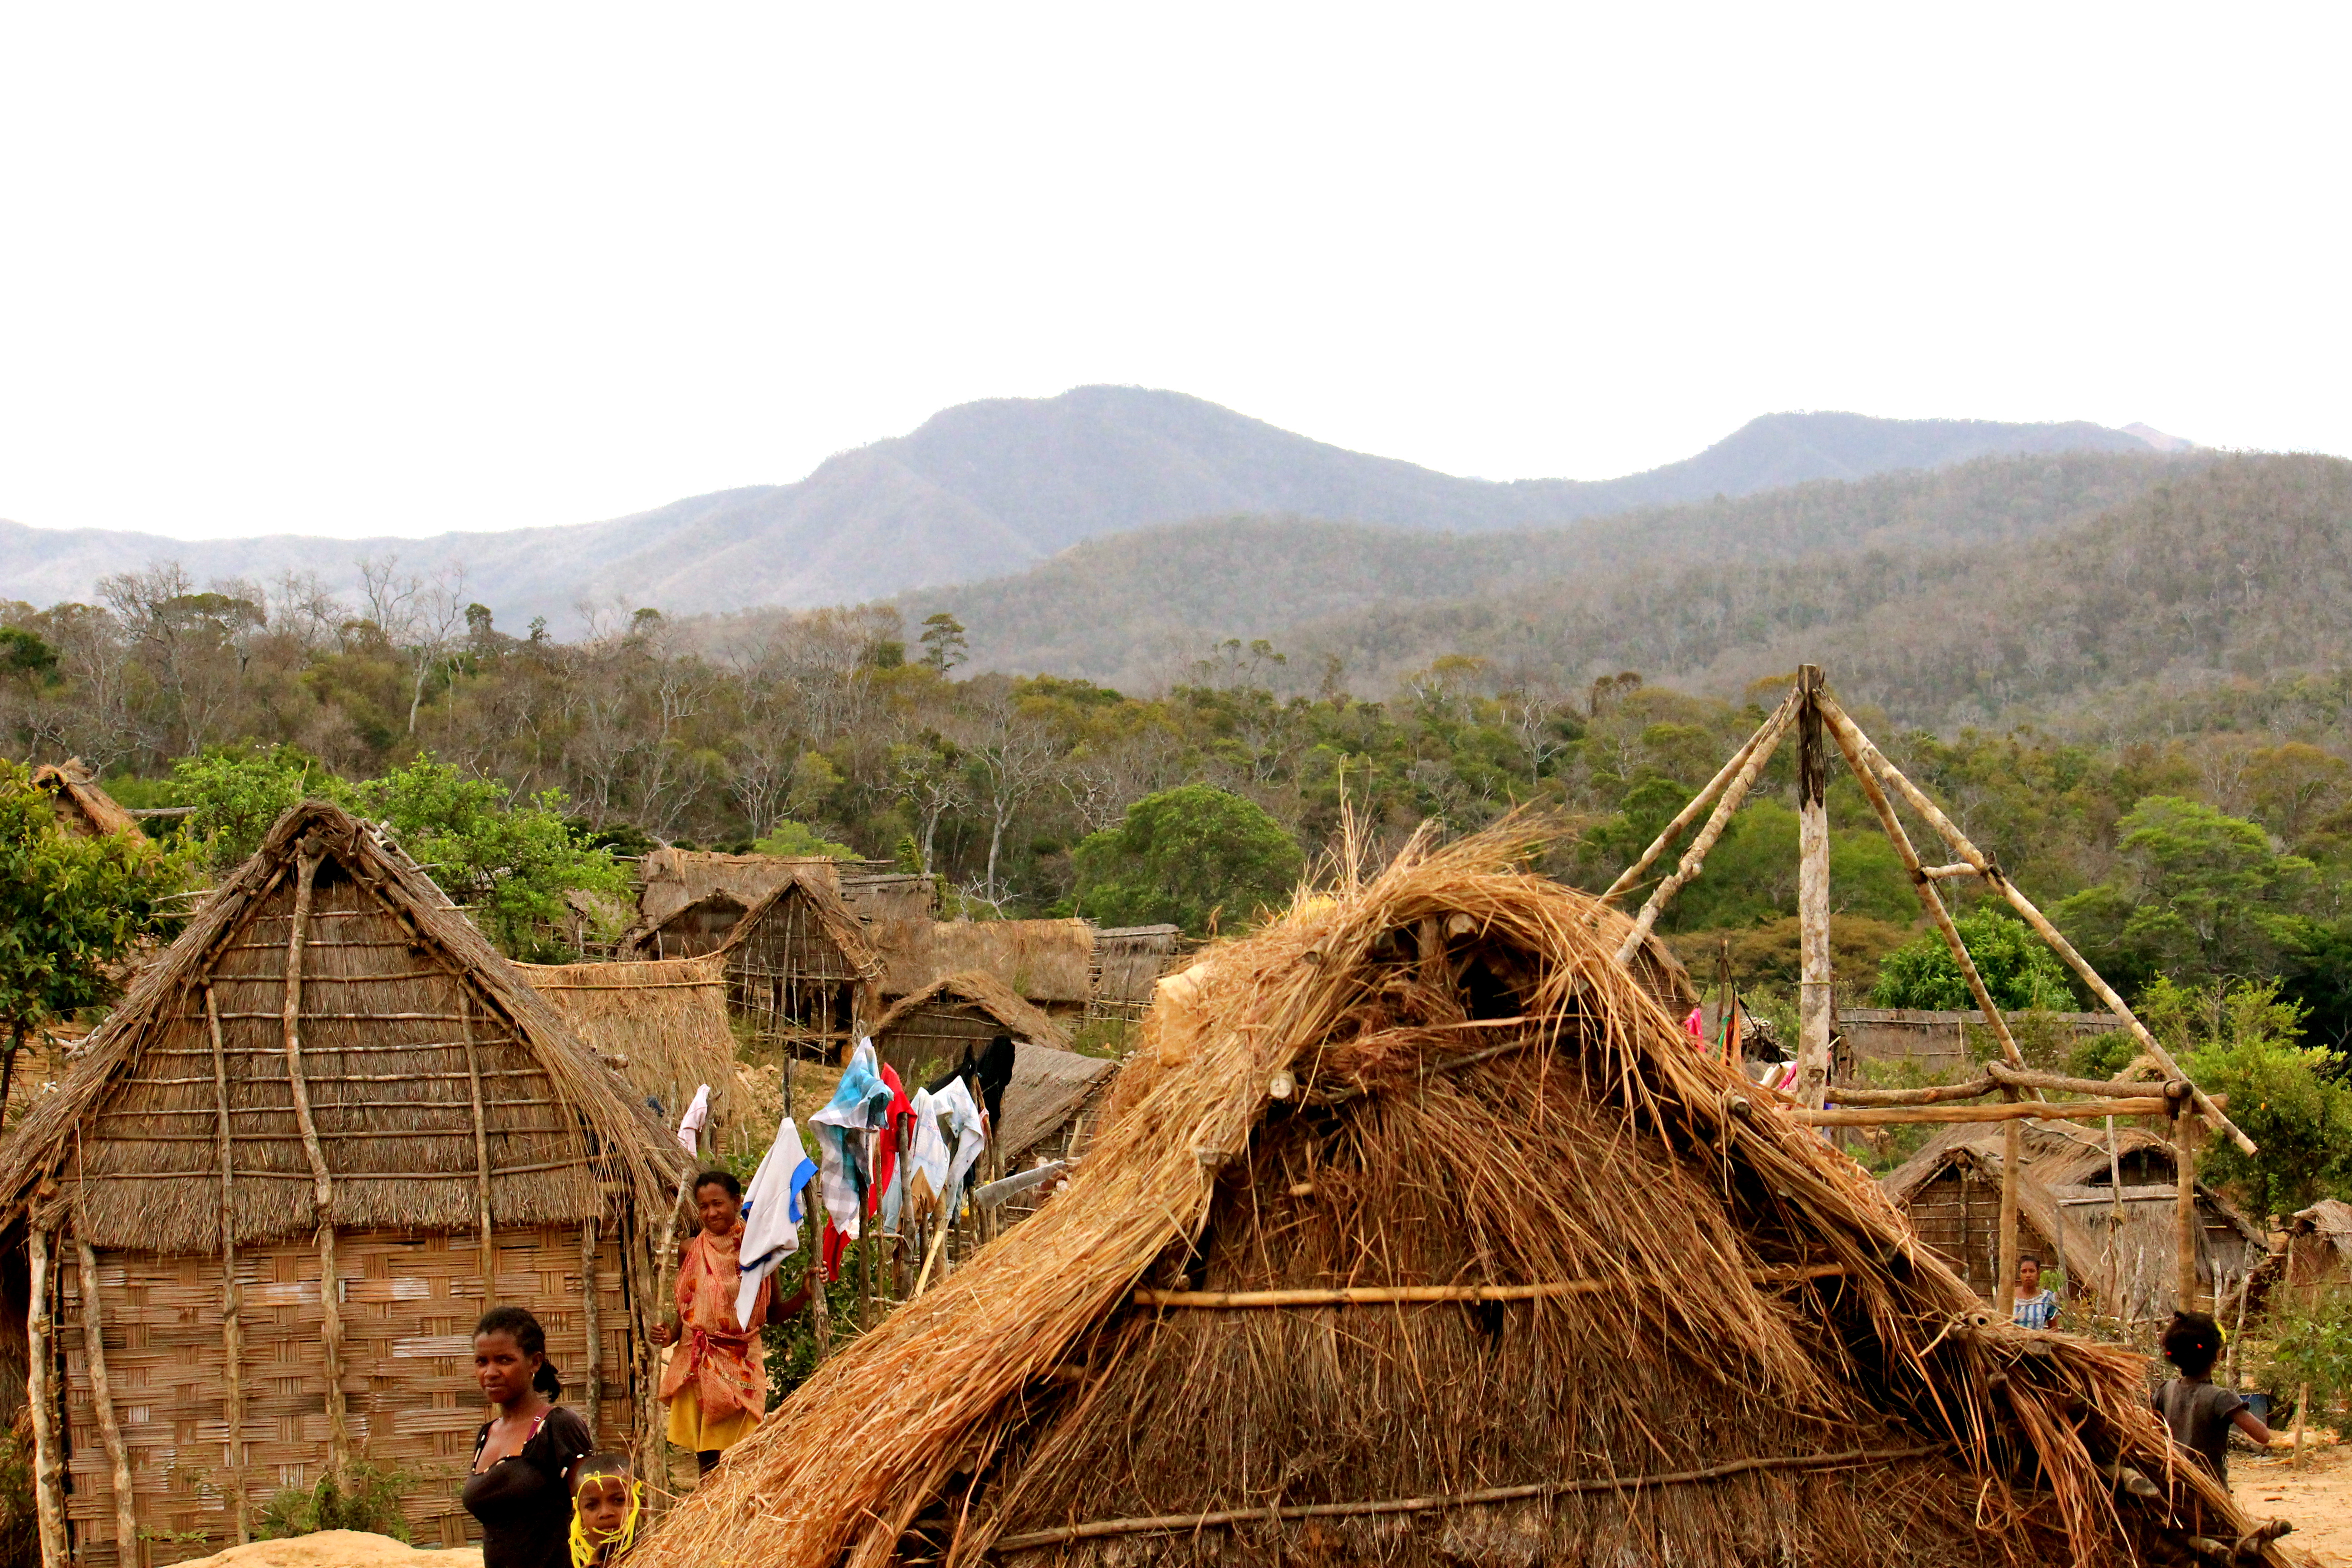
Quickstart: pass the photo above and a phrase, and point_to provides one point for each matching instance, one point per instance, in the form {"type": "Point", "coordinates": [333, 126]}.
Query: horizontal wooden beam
{"type": "Point", "coordinates": [1402, 1295]}
{"type": "Point", "coordinates": [2020, 1111]}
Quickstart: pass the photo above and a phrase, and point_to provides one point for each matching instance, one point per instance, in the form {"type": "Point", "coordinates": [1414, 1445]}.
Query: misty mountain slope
{"type": "Point", "coordinates": [985, 488]}
{"type": "Point", "coordinates": [2239, 566]}
{"type": "Point", "coordinates": [1118, 609]}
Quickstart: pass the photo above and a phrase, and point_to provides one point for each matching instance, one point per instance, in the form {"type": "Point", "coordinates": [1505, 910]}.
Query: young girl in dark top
{"type": "Point", "coordinates": [520, 1487]}
{"type": "Point", "coordinates": [2199, 1411]}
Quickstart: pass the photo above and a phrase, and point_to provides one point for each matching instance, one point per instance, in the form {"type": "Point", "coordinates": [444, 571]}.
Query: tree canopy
{"type": "Point", "coordinates": [1184, 857]}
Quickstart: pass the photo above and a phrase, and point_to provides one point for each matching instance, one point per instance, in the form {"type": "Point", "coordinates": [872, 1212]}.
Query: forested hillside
{"type": "Point", "coordinates": [1129, 610]}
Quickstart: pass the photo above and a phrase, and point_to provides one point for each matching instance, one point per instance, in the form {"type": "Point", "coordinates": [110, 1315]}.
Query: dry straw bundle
{"type": "Point", "coordinates": [1420, 1234]}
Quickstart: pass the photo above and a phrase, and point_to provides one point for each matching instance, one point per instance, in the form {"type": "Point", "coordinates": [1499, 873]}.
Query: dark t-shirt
{"type": "Point", "coordinates": [524, 1500]}
{"type": "Point", "coordinates": [2200, 1415]}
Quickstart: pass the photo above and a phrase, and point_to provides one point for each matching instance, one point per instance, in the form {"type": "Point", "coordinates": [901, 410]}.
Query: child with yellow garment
{"type": "Point", "coordinates": [717, 1383]}
{"type": "Point", "coordinates": [607, 1499]}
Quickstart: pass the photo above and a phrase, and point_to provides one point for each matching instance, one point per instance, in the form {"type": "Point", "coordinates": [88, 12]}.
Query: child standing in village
{"type": "Point", "coordinates": [2200, 1412]}
{"type": "Point", "coordinates": [2035, 1307]}
{"type": "Point", "coordinates": [717, 1384]}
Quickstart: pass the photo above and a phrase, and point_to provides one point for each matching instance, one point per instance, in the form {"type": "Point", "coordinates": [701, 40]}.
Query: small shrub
{"type": "Point", "coordinates": [371, 1504]}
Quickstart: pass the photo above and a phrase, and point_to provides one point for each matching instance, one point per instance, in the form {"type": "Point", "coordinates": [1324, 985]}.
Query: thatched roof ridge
{"type": "Point", "coordinates": [671, 880]}
{"type": "Point", "coordinates": [2058, 1159]}
{"type": "Point", "coordinates": [833, 917]}
{"type": "Point", "coordinates": [661, 1022]}
{"type": "Point", "coordinates": [156, 1207]}
{"type": "Point", "coordinates": [1047, 962]}
{"type": "Point", "coordinates": [1337, 1104]}
{"type": "Point", "coordinates": [991, 996]}
{"type": "Point", "coordinates": [77, 792]}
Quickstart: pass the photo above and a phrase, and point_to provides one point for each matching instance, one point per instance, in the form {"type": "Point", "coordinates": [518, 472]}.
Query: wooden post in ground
{"type": "Point", "coordinates": [1813, 994]}
{"type": "Point", "coordinates": [593, 1321]}
{"type": "Point", "coordinates": [820, 1322]}
{"type": "Point", "coordinates": [232, 1289]}
{"type": "Point", "coordinates": [102, 1398]}
{"type": "Point", "coordinates": [2012, 1154]}
{"type": "Point", "coordinates": [40, 1392]}
{"type": "Point", "coordinates": [2185, 1228]}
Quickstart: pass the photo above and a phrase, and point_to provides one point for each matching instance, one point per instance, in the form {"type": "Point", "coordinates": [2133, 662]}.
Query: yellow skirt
{"type": "Point", "coordinates": [688, 1430]}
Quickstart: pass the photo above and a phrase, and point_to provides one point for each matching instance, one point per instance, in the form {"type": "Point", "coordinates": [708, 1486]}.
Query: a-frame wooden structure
{"type": "Point", "coordinates": [1819, 720]}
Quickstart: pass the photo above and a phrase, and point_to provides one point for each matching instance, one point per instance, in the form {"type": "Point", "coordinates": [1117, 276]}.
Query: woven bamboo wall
{"type": "Point", "coordinates": [410, 1302]}
{"type": "Point", "coordinates": [1958, 1216]}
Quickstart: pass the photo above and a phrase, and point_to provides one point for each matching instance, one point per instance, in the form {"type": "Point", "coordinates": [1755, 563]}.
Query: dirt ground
{"type": "Point", "coordinates": [2318, 1499]}
{"type": "Point", "coordinates": [338, 1549]}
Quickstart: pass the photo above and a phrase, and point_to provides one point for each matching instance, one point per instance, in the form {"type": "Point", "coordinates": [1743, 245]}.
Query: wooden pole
{"type": "Point", "coordinates": [2013, 1111]}
{"type": "Point", "coordinates": [1987, 868]}
{"type": "Point", "coordinates": [1402, 1295]}
{"type": "Point", "coordinates": [2011, 1156]}
{"type": "Point", "coordinates": [820, 1319]}
{"type": "Point", "coordinates": [48, 1490]}
{"type": "Point", "coordinates": [1774, 722]}
{"type": "Point", "coordinates": [488, 1253]}
{"type": "Point", "coordinates": [1814, 990]}
{"type": "Point", "coordinates": [102, 1398]}
{"type": "Point", "coordinates": [2115, 1222]}
{"type": "Point", "coordinates": [2185, 1228]}
{"type": "Point", "coordinates": [232, 1289]}
{"type": "Point", "coordinates": [330, 1306]}
{"type": "Point", "coordinates": [590, 1315]}
{"type": "Point", "coordinates": [1693, 857]}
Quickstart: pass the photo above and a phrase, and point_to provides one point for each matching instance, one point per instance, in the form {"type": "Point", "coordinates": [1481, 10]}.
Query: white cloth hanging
{"type": "Point", "coordinates": [926, 1154]}
{"type": "Point", "coordinates": [969, 1125]}
{"type": "Point", "coordinates": [772, 1214]}
{"type": "Point", "coordinates": [696, 1115]}
{"type": "Point", "coordinates": [861, 1104]}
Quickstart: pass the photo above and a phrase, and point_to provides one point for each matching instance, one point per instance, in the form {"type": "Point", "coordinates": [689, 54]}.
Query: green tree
{"type": "Point", "coordinates": [1182, 854]}
{"type": "Point", "coordinates": [2202, 896]}
{"type": "Point", "coordinates": [2243, 1040]}
{"type": "Point", "coordinates": [789, 838]}
{"type": "Point", "coordinates": [2017, 969]}
{"type": "Point", "coordinates": [510, 862]}
{"type": "Point", "coordinates": [70, 909]}
{"type": "Point", "coordinates": [943, 642]}
{"type": "Point", "coordinates": [238, 792]}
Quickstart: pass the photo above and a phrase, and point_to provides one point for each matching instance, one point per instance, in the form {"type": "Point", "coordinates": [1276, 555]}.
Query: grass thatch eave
{"type": "Point", "coordinates": [1444, 1079]}
{"type": "Point", "coordinates": [80, 803]}
{"type": "Point", "coordinates": [660, 1023]}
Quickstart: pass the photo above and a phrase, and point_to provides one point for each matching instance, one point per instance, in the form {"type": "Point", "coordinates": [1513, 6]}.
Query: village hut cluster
{"type": "Point", "coordinates": [1416, 1228]}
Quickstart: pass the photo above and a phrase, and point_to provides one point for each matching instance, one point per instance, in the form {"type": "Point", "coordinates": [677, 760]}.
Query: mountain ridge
{"type": "Point", "coordinates": [990, 488]}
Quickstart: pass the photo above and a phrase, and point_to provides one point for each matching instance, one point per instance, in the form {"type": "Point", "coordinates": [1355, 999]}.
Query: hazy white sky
{"type": "Point", "coordinates": [347, 269]}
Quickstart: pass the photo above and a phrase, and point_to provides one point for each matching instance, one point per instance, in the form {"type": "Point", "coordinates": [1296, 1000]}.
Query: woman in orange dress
{"type": "Point", "coordinates": [717, 1383]}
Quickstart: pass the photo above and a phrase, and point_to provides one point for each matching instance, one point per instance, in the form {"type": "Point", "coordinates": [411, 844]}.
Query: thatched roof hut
{"type": "Point", "coordinates": [930, 1031]}
{"type": "Point", "coordinates": [671, 880]}
{"type": "Point", "coordinates": [1048, 964]}
{"type": "Point", "coordinates": [2320, 1243]}
{"type": "Point", "coordinates": [800, 969]}
{"type": "Point", "coordinates": [285, 1174]}
{"type": "Point", "coordinates": [663, 1025]}
{"type": "Point", "coordinates": [1421, 1237]}
{"type": "Point", "coordinates": [83, 808]}
{"type": "Point", "coordinates": [1950, 1191]}
{"type": "Point", "coordinates": [879, 896]}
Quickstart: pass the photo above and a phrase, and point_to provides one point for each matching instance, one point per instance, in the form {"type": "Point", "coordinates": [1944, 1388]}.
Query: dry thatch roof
{"type": "Point", "coordinates": [1047, 962]}
{"type": "Point", "coordinates": [982, 993]}
{"type": "Point", "coordinates": [670, 879]}
{"type": "Point", "coordinates": [405, 1011]}
{"type": "Point", "coordinates": [2329, 1218]}
{"type": "Point", "coordinates": [81, 806]}
{"type": "Point", "coordinates": [1715, 1343]}
{"type": "Point", "coordinates": [890, 895]}
{"type": "Point", "coordinates": [1047, 1087]}
{"type": "Point", "coordinates": [663, 1023]}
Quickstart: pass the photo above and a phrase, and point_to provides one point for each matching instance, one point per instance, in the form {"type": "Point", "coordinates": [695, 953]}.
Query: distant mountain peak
{"type": "Point", "coordinates": [2157, 438]}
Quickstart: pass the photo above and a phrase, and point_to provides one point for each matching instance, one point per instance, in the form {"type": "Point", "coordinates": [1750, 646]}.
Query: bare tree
{"type": "Point", "coordinates": [1011, 756]}
{"type": "Point", "coordinates": [420, 615]}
